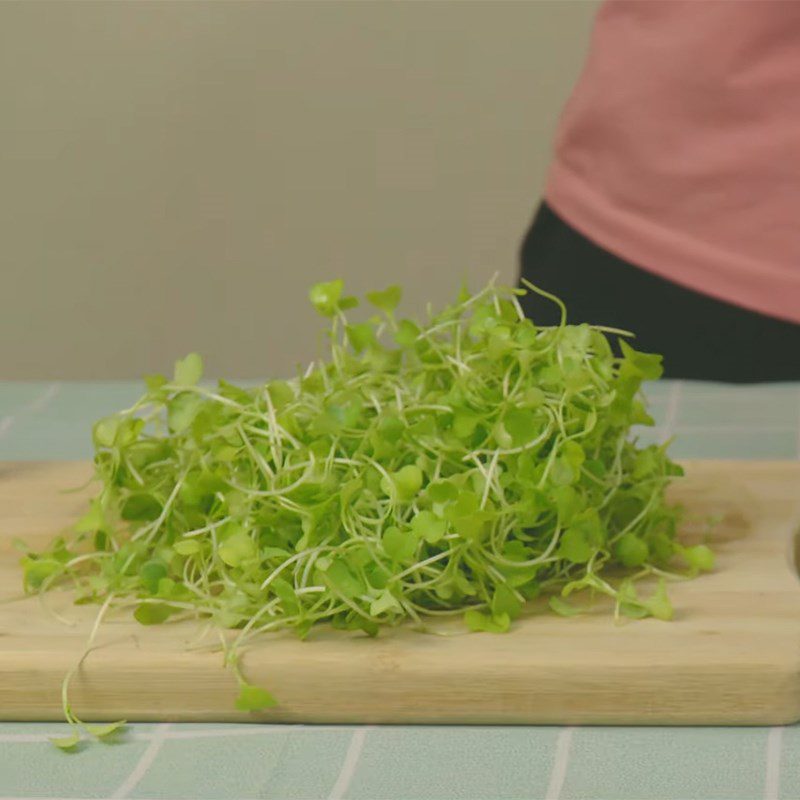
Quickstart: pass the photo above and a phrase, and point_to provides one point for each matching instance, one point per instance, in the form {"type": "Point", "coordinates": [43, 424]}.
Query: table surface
{"type": "Point", "coordinates": [216, 762]}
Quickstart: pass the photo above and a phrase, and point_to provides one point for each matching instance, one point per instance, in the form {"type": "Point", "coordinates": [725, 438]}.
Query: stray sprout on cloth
{"type": "Point", "coordinates": [459, 466]}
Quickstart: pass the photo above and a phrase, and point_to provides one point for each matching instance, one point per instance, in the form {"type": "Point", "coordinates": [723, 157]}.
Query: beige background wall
{"type": "Point", "coordinates": [174, 175]}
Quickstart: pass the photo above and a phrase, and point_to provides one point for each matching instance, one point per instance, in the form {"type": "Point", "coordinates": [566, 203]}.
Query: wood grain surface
{"type": "Point", "coordinates": [731, 656]}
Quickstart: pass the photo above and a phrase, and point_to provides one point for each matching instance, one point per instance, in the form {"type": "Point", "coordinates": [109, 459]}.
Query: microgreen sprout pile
{"type": "Point", "coordinates": [459, 466]}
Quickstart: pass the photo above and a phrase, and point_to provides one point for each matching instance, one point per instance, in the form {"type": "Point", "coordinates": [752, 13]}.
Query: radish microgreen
{"type": "Point", "coordinates": [462, 465]}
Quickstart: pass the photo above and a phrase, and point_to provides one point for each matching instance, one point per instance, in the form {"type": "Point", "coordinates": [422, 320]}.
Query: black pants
{"type": "Point", "coordinates": [700, 338]}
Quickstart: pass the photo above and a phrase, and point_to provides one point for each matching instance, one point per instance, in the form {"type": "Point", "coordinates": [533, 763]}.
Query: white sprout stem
{"type": "Point", "coordinates": [268, 474]}
{"type": "Point", "coordinates": [419, 565]}
{"type": "Point", "coordinates": [150, 530]}
{"type": "Point", "coordinates": [541, 559]}
{"type": "Point", "coordinates": [206, 528]}
{"type": "Point", "coordinates": [275, 492]}
{"type": "Point", "coordinates": [274, 574]}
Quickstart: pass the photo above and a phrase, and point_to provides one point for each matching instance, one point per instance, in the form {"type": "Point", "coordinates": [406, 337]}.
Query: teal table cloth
{"type": "Point", "coordinates": [298, 762]}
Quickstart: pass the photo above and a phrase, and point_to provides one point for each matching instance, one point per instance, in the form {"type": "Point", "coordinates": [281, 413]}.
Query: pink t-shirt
{"type": "Point", "coordinates": [679, 150]}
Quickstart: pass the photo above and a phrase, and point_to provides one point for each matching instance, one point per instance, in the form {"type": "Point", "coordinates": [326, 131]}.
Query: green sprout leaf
{"type": "Point", "coordinates": [405, 483]}
{"type": "Point", "coordinates": [92, 520]}
{"type": "Point", "coordinates": [407, 333]}
{"type": "Point", "coordinates": [254, 698]}
{"type": "Point", "coordinates": [659, 605]}
{"type": "Point", "coordinates": [183, 410]}
{"type": "Point", "coordinates": [152, 613]}
{"type": "Point", "coordinates": [155, 383]}
{"type": "Point", "coordinates": [105, 731]}
{"type": "Point", "coordinates": [151, 573]}
{"type": "Point", "coordinates": [399, 545]}
{"type": "Point", "coordinates": [140, 506]}
{"type": "Point", "coordinates": [575, 546]}
{"type": "Point", "coordinates": [522, 424]}
{"type": "Point", "coordinates": [495, 623]}
{"type": "Point", "coordinates": [387, 300]}
{"type": "Point", "coordinates": [37, 570]}
{"type": "Point", "coordinates": [343, 579]}
{"type": "Point", "coordinates": [384, 602]}
{"type": "Point", "coordinates": [563, 608]}
{"type": "Point", "coordinates": [188, 371]}
{"type": "Point", "coordinates": [105, 431]}
{"type": "Point", "coordinates": [187, 547]}
{"type": "Point", "coordinates": [325, 297]}
{"type": "Point", "coordinates": [428, 526]}
{"type": "Point", "coordinates": [699, 557]}
{"type": "Point", "coordinates": [237, 549]}
{"type": "Point", "coordinates": [67, 742]}
{"type": "Point", "coordinates": [631, 551]}
{"type": "Point", "coordinates": [361, 336]}
{"type": "Point", "coordinates": [504, 601]}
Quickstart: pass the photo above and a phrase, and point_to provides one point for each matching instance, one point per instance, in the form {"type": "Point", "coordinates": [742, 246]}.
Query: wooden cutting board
{"type": "Point", "coordinates": [731, 656]}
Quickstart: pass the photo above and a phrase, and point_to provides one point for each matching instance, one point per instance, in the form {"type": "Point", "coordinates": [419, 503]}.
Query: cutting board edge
{"type": "Point", "coordinates": [751, 694]}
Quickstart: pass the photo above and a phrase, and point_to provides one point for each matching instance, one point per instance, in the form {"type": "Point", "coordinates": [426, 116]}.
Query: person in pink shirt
{"type": "Point", "coordinates": [672, 207]}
